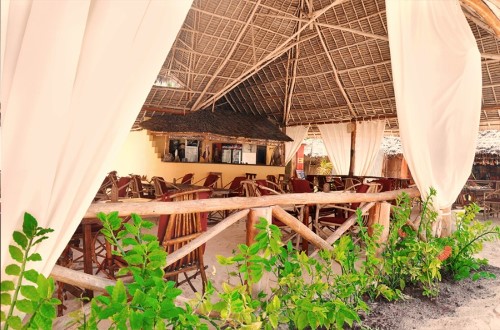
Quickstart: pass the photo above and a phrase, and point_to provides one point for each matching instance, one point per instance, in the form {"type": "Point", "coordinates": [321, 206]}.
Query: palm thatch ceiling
{"type": "Point", "coordinates": [298, 62]}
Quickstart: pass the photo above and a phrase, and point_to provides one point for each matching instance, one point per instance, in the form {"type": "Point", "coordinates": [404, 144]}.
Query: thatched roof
{"type": "Point", "coordinates": [224, 122]}
{"type": "Point", "coordinates": [297, 62]}
{"type": "Point", "coordinates": [488, 142]}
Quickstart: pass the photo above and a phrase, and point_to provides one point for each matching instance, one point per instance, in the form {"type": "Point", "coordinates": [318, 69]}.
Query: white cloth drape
{"type": "Point", "coordinates": [436, 68]}
{"type": "Point", "coordinates": [75, 75]}
{"type": "Point", "coordinates": [297, 134]}
{"type": "Point", "coordinates": [337, 140]}
{"type": "Point", "coordinates": [369, 136]}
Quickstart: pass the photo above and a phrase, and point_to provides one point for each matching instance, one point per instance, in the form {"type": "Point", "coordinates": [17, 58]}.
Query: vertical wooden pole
{"type": "Point", "coordinates": [446, 222]}
{"type": "Point", "coordinates": [380, 214]}
{"type": "Point", "coordinates": [353, 149]}
{"type": "Point", "coordinates": [87, 254]}
{"type": "Point", "coordinates": [253, 218]}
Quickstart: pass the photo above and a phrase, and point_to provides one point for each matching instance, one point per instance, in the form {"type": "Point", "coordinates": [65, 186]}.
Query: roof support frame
{"type": "Point", "coordinates": [231, 52]}
{"type": "Point", "coordinates": [278, 51]}
{"type": "Point", "coordinates": [335, 73]}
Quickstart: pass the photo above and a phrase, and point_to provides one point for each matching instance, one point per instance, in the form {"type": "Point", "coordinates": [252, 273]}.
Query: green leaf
{"type": "Point", "coordinates": [29, 225]}
{"type": "Point", "coordinates": [134, 259]}
{"type": "Point", "coordinates": [119, 293]}
{"type": "Point", "coordinates": [31, 275]}
{"type": "Point", "coordinates": [302, 320]}
{"type": "Point", "coordinates": [35, 257]}
{"type": "Point", "coordinates": [5, 299]}
{"type": "Point", "coordinates": [15, 322]}
{"type": "Point", "coordinates": [30, 292]}
{"type": "Point", "coordinates": [48, 311]}
{"type": "Point", "coordinates": [149, 238]}
{"type": "Point", "coordinates": [6, 286]}
{"type": "Point", "coordinates": [129, 241]}
{"type": "Point", "coordinates": [131, 229]}
{"type": "Point", "coordinates": [25, 306]}
{"type": "Point", "coordinates": [43, 286]}
{"type": "Point", "coordinates": [43, 322]}
{"type": "Point", "coordinates": [16, 253]}
{"type": "Point", "coordinates": [254, 248]}
{"type": "Point", "coordinates": [136, 320]}
{"type": "Point", "coordinates": [3, 317]}
{"type": "Point", "coordinates": [12, 270]}
{"type": "Point", "coordinates": [20, 239]}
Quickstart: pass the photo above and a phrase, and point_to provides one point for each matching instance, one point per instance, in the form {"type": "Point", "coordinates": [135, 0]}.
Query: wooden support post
{"type": "Point", "coordinates": [380, 214]}
{"type": "Point", "coordinates": [253, 218]}
{"type": "Point", "coordinates": [300, 228]}
{"type": "Point", "coordinates": [446, 222]}
{"type": "Point", "coordinates": [88, 249]}
{"type": "Point", "coordinates": [353, 149]}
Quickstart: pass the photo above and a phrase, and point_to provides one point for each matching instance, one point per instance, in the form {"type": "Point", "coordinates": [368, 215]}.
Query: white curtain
{"type": "Point", "coordinates": [337, 140]}
{"type": "Point", "coordinates": [297, 134]}
{"type": "Point", "coordinates": [369, 136]}
{"type": "Point", "coordinates": [75, 75]}
{"type": "Point", "coordinates": [436, 68]}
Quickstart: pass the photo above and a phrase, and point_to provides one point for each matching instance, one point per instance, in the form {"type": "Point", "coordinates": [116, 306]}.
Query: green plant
{"type": "Point", "coordinates": [325, 167]}
{"type": "Point", "coordinates": [148, 302]}
{"type": "Point", "coordinates": [411, 256]}
{"type": "Point", "coordinates": [307, 291]}
{"type": "Point", "coordinates": [38, 303]}
{"type": "Point", "coordinates": [465, 242]}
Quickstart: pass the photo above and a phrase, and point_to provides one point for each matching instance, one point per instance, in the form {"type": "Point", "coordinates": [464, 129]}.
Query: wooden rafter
{"type": "Point", "coordinates": [228, 56]}
{"type": "Point", "coordinates": [485, 12]}
{"type": "Point", "coordinates": [278, 51]}
{"type": "Point", "coordinates": [335, 73]}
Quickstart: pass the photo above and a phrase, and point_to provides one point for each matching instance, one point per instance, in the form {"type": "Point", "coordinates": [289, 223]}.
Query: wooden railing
{"type": "Point", "coordinates": [253, 208]}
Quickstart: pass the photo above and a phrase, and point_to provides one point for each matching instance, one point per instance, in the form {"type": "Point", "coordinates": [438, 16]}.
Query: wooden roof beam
{"type": "Point", "coordinates": [485, 12]}
{"type": "Point", "coordinates": [336, 27]}
{"type": "Point", "coordinates": [278, 51]}
{"type": "Point", "coordinates": [291, 86]}
{"type": "Point", "coordinates": [228, 56]}
{"type": "Point", "coordinates": [335, 73]}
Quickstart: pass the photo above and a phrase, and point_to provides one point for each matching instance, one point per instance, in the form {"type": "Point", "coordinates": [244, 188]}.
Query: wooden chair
{"type": "Point", "coordinates": [272, 178]}
{"type": "Point", "coordinates": [177, 230]}
{"type": "Point", "coordinates": [186, 179]}
{"type": "Point", "coordinates": [104, 191]}
{"type": "Point", "coordinates": [124, 186]}
{"type": "Point", "coordinates": [336, 214]}
{"type": "Point", "coordinates": [235, 187]}
{"type": "Point", "coordinates": [301, 186]}
{"type": "Point", "coordinates": [161, 186]}
{"type": "Point", "coordinates": [137, 190]}
{"type": "Point", "coordinates": [210, 181]}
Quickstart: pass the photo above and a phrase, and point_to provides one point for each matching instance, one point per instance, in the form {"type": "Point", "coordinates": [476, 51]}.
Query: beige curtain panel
{"type": "Point", "coordinates": [337, 140]}
{"type": "Point", "coordinates": [436, 68]}
{"type": "Point", "coordinates": [369, 136]}
{"type": "Point", "coordinates": [297, 134]}
{"type": "Point", "coordinates": [75, 75]}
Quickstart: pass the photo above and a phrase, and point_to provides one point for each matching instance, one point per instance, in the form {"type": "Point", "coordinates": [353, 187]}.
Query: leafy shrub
{"type": "Point", "coordinates": [465, 242]}
{"type": "Point", "coordinates": [38, 304]}
{"type": "Point", "coordinates": [414, 256]}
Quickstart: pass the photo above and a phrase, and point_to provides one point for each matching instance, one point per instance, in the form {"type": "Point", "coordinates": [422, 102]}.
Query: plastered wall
{"type": "Point", "coordinates": [137, 156]}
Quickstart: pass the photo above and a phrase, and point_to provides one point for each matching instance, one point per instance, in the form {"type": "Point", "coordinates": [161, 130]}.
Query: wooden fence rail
{"type": "Point", "coordinates": [252, 207]}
